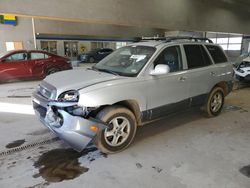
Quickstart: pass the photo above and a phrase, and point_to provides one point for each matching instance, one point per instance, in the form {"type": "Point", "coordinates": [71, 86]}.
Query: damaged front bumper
{"type": "Point", "coordinates": [74, 130]}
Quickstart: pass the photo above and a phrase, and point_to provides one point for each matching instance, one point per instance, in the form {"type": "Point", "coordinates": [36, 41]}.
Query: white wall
{"type": "Point", "coordinates": [20, 33]}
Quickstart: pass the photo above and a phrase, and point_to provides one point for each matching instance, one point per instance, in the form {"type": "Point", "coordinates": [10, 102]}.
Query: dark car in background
{"type": "Point", "coordinates": [94, 55]}
{"type": "Point", "coordinates": [34, 64]}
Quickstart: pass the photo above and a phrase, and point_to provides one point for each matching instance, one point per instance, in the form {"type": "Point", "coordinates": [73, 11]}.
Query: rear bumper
{"type": "Point", "coordinates": [74, 130]}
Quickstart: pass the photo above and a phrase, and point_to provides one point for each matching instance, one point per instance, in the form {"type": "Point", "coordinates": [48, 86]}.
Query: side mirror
{"type": "Point", "coordinates": [160, 70]}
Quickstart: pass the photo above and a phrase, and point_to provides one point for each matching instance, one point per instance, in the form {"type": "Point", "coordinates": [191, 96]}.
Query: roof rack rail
{"type": "Point", "coordinates": [153, 38]}
{"type": "Point", "coordinates": [170, 39]}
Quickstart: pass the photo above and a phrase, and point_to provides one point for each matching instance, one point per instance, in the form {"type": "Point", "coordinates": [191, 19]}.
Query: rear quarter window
{"type": "Point", "coordinates": [217, 54]}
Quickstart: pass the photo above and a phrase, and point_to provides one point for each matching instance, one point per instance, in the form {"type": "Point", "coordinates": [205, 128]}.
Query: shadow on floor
{"type": "Point", "coordinates": [167, 124]}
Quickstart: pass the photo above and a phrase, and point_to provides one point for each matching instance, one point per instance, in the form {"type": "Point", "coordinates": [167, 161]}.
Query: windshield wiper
{"type": "Point", "coordinates": [103, 70]}
{"type": "Point", "coordinates": [108, 71]}
{"type": "Point", "coordinates": [92, 68]}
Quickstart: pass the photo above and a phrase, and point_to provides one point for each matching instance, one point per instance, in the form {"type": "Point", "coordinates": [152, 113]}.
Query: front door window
{"type": "Point", "coordinates": [17, 57]}
{"type": "Point", "coordinates": [171, 56]}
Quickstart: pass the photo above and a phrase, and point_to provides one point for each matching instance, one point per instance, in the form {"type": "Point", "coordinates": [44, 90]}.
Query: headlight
{"type": "Point", "coordinates": [69, 96]}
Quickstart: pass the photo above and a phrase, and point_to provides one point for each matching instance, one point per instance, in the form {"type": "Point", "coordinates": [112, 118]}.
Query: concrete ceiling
{"type": "Point", "coordinates": [233, 4]}
{"type": "Point", "coordinates": [200, 15]}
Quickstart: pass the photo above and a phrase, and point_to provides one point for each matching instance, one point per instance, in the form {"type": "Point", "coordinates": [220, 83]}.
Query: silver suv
{"type": "Point", "coordinates": [132, 86]}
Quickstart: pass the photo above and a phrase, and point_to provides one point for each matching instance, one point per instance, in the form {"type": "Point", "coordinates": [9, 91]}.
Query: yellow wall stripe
{"type": "Point", "coordinates": [9, 17]}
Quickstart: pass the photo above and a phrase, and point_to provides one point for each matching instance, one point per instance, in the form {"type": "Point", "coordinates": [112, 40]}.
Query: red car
{"type": "Point", "coordinates": [23, 64]}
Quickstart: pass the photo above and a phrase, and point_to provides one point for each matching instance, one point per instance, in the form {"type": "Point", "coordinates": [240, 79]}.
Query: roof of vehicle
{"type": "Point", "coordinates": [5, 54]}
{"type": "Point", "coordinates": [15, 51]}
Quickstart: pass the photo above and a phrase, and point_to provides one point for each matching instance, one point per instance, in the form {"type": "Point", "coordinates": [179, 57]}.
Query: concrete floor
{"type": "Point", "coordinates": [185, 151]}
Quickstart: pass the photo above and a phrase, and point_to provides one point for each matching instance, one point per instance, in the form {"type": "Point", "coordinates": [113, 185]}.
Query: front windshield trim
{"type": "Point", "coordinates": [145, 53]}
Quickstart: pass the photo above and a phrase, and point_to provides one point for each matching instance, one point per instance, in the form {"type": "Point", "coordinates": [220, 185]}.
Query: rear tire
{"type": "Point", "coordinates": [121, 131]}
{"type": "Point", "coordinates": [214, 102]}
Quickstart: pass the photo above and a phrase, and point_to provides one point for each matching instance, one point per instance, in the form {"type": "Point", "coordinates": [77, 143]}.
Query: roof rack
{"type": "Point", "coordinates": [170, 39]}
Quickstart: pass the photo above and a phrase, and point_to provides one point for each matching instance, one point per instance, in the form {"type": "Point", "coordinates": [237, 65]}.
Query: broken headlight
{"type": "Point", "coordinates": [69, 96]}
{"type": "Point", "coordinates": [240, 70]}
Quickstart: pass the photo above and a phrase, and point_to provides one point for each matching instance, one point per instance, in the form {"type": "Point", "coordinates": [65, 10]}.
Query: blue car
{"type": "Point", "coordinates": [94, 55]}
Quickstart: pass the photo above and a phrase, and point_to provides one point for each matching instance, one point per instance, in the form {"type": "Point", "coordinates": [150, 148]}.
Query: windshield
{"type": "Point", "coordinates": [126, 61]}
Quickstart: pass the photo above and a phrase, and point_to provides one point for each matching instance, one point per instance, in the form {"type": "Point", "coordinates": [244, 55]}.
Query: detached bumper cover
{"type": "Point", "coordinates": [74, 130]}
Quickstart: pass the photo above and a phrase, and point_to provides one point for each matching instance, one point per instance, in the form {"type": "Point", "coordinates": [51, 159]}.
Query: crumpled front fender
{"type": "Point", "coordinates": [74, 130]}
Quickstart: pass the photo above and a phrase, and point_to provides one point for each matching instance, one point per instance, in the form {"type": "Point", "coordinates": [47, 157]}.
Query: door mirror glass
{"type": "Point", "coordinates": [160, 70]}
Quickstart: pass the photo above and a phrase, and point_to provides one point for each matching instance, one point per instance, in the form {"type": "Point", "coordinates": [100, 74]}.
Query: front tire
{"type": "Point", "coordinates": [214, 102]}
{"type": "Point", "coordinates": [121, 131]}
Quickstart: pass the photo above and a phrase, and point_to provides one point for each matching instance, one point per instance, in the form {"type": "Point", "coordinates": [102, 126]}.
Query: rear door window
{"type": "Point", "coordinates": [196, 56]}
{"type": "Point", "coordinates": [217, 54]}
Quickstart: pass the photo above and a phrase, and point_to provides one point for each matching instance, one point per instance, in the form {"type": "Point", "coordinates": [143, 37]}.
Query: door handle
{"type": "Point", "coordinates": [182, 79]}
{"type": "Point", "coordinates": [212, 73]}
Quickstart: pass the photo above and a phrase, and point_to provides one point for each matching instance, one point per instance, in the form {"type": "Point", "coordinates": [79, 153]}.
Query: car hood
{"type": "Point", "coordinates": [78, 79]}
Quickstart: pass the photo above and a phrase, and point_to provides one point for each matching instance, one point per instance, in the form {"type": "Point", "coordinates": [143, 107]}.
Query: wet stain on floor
{"type": "Point", "coordinates": [39, 132]}
{"type": "Point", "coordinates": [19, 96]}
{"type": "Point", "coordinates": [157, 169]}
{"type": "Point", "coordinates": [15, 144]}
{"type": "Point", "coordinates": [245, 171]}
{"type": "Point", "coordinates": [61, 164]}
{"type": "Point", "coordinates": [40, 185]}
{"type": "Point", "coordinates": [232, 108]}
{"type": "Point", "coordinates": [138, 165]}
